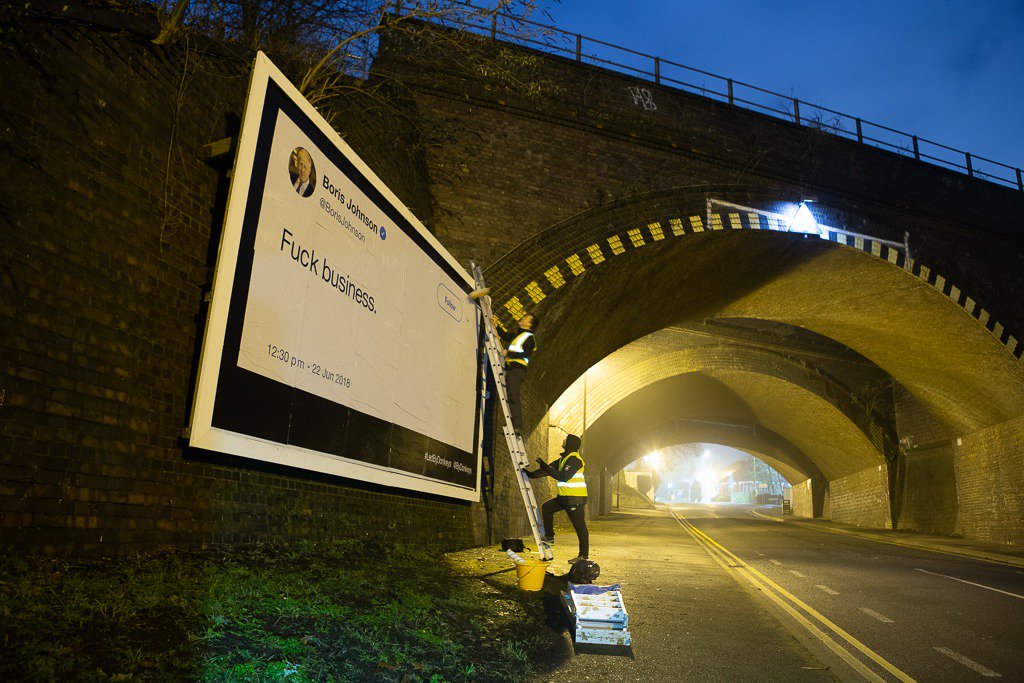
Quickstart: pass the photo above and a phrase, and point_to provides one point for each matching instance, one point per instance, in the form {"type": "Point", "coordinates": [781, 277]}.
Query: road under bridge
{"type": "Point", "coordinates": [815, 601]}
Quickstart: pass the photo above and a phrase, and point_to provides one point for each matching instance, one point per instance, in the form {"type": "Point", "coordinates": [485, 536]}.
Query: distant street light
{"type": "Point", "coordinates": [708, 479]}
{"type": "Point", "coordinates": [653, 460]}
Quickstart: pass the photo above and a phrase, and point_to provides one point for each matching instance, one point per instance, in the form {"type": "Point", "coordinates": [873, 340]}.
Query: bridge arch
{"type": "Point", "coordinates": [695, 406]}
{"type": "Point", "coordinates": [610, 277]}
{"type": "Point", "coordinates": [607, 279]}
{"type": "Point", "coordinates": [798, 431]}
{"type": "Point", "coordinates": [651, 362]}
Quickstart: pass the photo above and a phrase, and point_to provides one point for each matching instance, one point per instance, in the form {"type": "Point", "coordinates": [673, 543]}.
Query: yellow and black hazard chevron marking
{"type": "Point", "coordinates": [577, 263]}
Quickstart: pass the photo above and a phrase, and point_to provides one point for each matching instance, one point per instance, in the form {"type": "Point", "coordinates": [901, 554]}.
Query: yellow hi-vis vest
{"type": "Point", "coordinates": [515, 349]}
{"type": "Point", "coordinates": [577, 484]}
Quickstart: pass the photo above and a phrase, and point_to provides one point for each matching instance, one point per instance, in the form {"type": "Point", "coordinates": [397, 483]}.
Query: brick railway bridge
{"type": "Point", "coordinates": [875, 363]}
{"type": "Point", "coordinates": [874, 359]}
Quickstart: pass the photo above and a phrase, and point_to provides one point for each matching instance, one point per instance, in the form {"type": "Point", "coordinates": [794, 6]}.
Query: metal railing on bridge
{"type": "Point", "coordinates": [663, 72]}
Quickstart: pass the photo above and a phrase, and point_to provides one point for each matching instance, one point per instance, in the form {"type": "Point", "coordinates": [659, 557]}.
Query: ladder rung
{"type": "Point", "coordinates": [516, 447]}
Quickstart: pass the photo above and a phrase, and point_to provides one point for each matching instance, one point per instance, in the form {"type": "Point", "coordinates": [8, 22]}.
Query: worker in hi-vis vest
{"type": "Point", "coordinates": [517, 358]}
{"type": "Point", "coordinates": [568, 471]}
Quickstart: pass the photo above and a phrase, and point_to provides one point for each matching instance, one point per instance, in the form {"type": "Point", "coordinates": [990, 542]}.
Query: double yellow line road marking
{"type": "Point", "coordinates": [859, 656]}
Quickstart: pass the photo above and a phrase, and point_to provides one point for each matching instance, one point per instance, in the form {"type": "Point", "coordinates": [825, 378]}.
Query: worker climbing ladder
{"type": "Point", "coordinates": [516, 447]}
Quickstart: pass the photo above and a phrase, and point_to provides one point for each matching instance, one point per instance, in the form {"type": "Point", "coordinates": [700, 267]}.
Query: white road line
{"type": "Point", "coordinates": [971, 583]}
{"type": "Point", "coordinates": [776, 563]}
{"type": "Point", "coordinates": [797, 574]}
{"type": "Point", "coordinates": [875, 615]}
{"type": "Point", "coordinates": [969, 663]}
{"type": "Point", "coordinates": [825, 588]}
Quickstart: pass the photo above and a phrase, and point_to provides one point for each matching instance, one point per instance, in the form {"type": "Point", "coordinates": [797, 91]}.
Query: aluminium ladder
{"type": "Point", "coordinates": [516, 447]}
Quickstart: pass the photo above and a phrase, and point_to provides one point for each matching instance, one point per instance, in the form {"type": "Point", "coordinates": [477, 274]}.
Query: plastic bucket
{"type": "Point", "coordinates": [531, 574]}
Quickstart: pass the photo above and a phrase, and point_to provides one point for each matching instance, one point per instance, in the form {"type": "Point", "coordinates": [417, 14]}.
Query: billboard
{"type": "Point", "coordinates": [340, 338]}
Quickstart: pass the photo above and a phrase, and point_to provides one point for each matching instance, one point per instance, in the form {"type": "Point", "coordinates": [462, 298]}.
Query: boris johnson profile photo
{"type": "Point", "coordinates": [302, 171]}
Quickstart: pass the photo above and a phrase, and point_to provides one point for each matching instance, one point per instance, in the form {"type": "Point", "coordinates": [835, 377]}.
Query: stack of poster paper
{"type": "Point", "coordinates": [599, 614]}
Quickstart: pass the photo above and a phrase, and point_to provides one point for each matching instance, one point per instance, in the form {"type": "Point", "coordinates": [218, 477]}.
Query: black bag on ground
{"type": "Point", "coordinates": [513, 544]}
{"type": "Point", "coordinates": [584, 571]}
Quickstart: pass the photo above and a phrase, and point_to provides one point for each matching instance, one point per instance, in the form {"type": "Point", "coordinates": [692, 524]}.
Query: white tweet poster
{"type": "Point", "coordinates": [340, 337]}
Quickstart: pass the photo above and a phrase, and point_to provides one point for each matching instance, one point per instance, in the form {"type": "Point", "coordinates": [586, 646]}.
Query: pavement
{"type": "Point", "coordinates": [689, 619]}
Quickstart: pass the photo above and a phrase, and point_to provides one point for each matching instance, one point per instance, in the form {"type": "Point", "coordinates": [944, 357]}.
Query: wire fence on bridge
{"type": "Point", "coordinates": [663, 72]}
{"type": "Point", "coordinates": [320, 26]}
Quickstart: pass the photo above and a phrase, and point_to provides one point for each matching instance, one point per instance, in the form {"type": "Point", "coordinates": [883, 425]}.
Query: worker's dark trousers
{"type": "Point", "coordinates": [514, 374]}
{"type": "Point", "coordinates": [578, 517]}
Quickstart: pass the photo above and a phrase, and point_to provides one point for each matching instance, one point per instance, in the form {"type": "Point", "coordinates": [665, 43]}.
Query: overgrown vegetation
{"type": "Point", "coordinates": [352, 613]}
{"type": "Point", "coordinates": [337, 40]}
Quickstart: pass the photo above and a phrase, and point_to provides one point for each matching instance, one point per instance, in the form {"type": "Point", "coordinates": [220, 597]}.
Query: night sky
{"type": "Point", "coordinates": [949, 71]}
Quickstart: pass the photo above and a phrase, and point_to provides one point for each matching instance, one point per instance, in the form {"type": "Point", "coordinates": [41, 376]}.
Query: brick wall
{"type": "Point", "coordinates": [930, 491]}
{"type": "Point", "coordinates": [928, 500]}
{"type": "Point", "coordinates": [510, 167]}
{"type": "Point", "coordinates": [989, 468]}
{"type": "Point", "coordinates": [861, 499]}
{"type": "Point", "coordinates": [916, 422]}
{"type": "Point", "coordinates": [506, 163]}
{"type": "Point", "coordinates": [802, 501]}
{"type": "Point", "coordinates": [109, 225]}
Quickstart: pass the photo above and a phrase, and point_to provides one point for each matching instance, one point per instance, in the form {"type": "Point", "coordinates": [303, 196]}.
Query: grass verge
{"type": "Point", "coordinates": [349, 613]}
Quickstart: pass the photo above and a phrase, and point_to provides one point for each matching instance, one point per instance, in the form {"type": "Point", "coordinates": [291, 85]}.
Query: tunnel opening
{"type": "Point", "coordinates": [798, 414]}
{"type": "Point", "coordinates": [702, 473]}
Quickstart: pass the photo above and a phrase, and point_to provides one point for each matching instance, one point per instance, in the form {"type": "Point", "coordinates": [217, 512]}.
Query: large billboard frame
{"type": "Point", "coordinates": [271, 93]}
